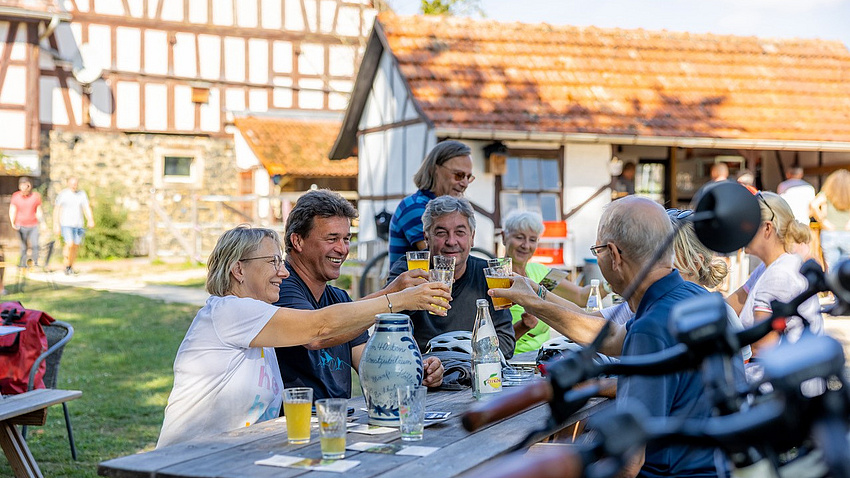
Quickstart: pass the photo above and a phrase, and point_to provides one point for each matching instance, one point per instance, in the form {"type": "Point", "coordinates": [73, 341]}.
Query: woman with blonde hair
{"type": "Point", "coordinates": [774, 242]}
{"type": "Point", "coordinates": [831, 207]}
{"type": "Point", "coordinates": [226, 374]}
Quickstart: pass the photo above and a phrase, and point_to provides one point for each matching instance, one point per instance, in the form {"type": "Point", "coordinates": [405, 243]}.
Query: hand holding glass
{"type": "Point", "coordinates": [297, 405]}
{"type": "Point", "coordinates": [444, 276]}
{"type": "Point", "coordinates": [418, 260]}
{"type": "Point", "coordinates": [411, 411]}
{"type": "Point", "coordinates": [331, 413]}
{"type": "Point", "coordinates": [498, 278]}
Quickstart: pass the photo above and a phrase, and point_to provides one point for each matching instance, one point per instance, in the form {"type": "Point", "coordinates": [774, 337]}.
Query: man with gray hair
{"type": "Point", "coordinates": [449, 225]}
{"type": "Point", "coordinates": [629, 231]}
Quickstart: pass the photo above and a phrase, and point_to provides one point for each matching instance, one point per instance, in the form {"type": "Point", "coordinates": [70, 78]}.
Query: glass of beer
{"type": "Point", "coordinates": [503, 262]}
{"type": "Point", "coordinates": [446, 277]}
{"type": "Point", "coordinates": [419, 260]}
{"type": "Point", "coordinates": [297, 407]}
{"type": "Point", "coordinates": [331, 413]}
{"type": "Point", "coordinates": [498, 278]}
{"type": "Point", "coordinates": [444, 263]}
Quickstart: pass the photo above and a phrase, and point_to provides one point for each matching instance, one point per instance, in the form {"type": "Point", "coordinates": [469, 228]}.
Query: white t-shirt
{"type": "Point", "coordinates": [221, 383]}
{"type": "Point", "coordinates": [71, 206]}
{"type": "Point", "coordinates": [798, 198]}
{"type": "Point", "coordinates": [781, 281]}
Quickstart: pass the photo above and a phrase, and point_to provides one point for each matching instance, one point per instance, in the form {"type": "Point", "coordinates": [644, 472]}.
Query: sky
{"type": "Point", "coordinates": [824, 19]}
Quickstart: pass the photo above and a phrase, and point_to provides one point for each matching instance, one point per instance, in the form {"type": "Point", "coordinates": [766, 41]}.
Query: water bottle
{"type": "Point", "coordinates": [594, 300]}
{"type": "Point", "coordinates": [486, 365]}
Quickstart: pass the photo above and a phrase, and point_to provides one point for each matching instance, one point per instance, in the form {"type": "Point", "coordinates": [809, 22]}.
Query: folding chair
{"type": "Point", "coordinates": [58, 334]}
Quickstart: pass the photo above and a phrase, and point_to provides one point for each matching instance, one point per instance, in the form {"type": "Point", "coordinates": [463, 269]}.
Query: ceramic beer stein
{"type": "Point", "coordinates": [390, 360]}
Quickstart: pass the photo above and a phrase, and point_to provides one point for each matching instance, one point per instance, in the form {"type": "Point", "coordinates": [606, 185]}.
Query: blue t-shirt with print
{"type": "Point", "coordinates": [406, 224]}
{"type": "Point", "coordinates": [327, 371]}
{"type": "Point", "coordinates": [673, 395]}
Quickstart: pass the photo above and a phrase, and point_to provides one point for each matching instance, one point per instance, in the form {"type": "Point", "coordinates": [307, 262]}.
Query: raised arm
{"type": "Point", "coordinates": [290, 327]}
{"type": "Point", "coordinates": [563, 315]}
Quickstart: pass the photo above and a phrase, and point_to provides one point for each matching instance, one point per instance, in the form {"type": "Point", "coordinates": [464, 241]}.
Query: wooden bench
{"type": "Point", "coordinates": [28, 408]}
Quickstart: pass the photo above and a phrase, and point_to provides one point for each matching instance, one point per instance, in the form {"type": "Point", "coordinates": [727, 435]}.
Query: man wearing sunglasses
{"type": "Point", "coordinates": [318, 231]}
{"type": "Point", "coordinates": [447, 170]}
{"type": "Point", "coordinates": [629, 231]}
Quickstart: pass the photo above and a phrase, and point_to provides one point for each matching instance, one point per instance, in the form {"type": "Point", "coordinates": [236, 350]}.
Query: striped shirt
{"type": "Point", "coordinates": [406, 224]}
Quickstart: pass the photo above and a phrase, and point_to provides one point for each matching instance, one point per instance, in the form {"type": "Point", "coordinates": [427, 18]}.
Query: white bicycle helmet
{"type": "Point", "coordinates": [456, 341]}
{"type": "Point", "coordinates": [561, 345]}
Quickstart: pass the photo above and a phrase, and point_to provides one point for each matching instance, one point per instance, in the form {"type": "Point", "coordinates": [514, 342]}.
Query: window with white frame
{"type": "Point", "coordinates": [178, 167]}
{"type": "Point", "coordinates": [532, 183]}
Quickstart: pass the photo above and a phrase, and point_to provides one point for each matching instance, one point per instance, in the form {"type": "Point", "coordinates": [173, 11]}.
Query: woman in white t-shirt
{"type": "Point", "coordinates": [780, 280]}
{"type": "Point", "coordinates": [226, 373]}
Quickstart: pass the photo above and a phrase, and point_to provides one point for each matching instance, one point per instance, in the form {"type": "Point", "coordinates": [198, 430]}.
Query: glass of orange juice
{"type": "Point", "coordinates": [297, 407]}
{"type": "Point", "coordinates": [498, 278]}
{"type": "Point", "coordinates": [419, 260]}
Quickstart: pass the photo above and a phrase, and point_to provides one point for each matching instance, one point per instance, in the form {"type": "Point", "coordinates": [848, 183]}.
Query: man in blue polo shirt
{"type": "Point", "coordinates": [629, 231]}
{"type": "Point", "coordinates": [318, 231]}
{"type": "Point", "coordinates": [447, 170]}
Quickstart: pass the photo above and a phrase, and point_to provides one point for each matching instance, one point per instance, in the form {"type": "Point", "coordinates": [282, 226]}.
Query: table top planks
{"type": "Point", "coordinates": [12, 406]}
{"type": "Point", "coordinates": [233, 454]}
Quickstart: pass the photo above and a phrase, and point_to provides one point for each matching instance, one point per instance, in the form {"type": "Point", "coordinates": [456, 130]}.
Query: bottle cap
{"type": "Point", "coordinates": [482, 303]}
{"type": "Point", "coordinates": [594, 282]}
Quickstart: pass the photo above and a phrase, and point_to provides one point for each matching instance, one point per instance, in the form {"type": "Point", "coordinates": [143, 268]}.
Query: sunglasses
{"type": "Point", "coordinates": [276, 260]}
{"type": "Point", "coordinates": [460, 175]}
{"type": "Point", "coordinates": [772, 213]}
{"type": "Point", "coordinates": [676, 215]}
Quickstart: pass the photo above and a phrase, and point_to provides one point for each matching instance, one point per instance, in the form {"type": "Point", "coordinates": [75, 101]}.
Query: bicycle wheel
{"type": "Point", "coordinates": [375, 274]}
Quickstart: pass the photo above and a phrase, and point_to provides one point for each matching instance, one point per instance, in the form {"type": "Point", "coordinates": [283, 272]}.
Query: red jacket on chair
{"type": "Point", "coordinates": [19, 351]}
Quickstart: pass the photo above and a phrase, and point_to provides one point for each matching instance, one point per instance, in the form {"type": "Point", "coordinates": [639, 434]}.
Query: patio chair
{"type": "Point", "coordinates": [58, 334]}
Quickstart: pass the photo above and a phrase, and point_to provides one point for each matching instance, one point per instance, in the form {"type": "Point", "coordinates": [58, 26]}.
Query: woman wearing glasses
{"type": "Point", "coordinates": [780, 280]}
{"type": "Point", "coordinates": [447, 170]}
{"type": "Point", "coordinates": [226, 373]}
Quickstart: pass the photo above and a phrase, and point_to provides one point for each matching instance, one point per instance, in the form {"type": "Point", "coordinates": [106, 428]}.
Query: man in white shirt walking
{"type": "Point", "coordinates": [71, 212]}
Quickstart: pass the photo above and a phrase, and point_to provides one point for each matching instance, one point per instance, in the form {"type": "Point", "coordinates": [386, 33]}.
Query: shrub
{"type": "Point", "coordinates": [107, 239]}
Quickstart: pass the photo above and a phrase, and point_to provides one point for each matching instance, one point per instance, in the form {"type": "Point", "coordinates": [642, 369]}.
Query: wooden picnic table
{"type": "Point", "coordinates": [28, 408]}
{"type": "Point", "coordinates": [233, 454]}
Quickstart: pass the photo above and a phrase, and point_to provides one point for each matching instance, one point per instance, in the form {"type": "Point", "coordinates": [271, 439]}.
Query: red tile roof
{"type": "Point", "coordinates": [41, 6]}
{"type": "Point", "coordinates": [295, 147]}
{"type": "Point", "coordinates": [484, 75]}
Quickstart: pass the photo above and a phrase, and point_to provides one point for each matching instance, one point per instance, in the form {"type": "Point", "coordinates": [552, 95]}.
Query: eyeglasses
{"type": "Point", "coordinates": [676, 215]}
{"type": "Point", "coordinates": [595, 250]}
{"type": "Point", "coordinates": [772, 213]}
{"type": "Point", "coordinates": [276, 260]}
{"type": "Point", "coordinates": [460, 175]}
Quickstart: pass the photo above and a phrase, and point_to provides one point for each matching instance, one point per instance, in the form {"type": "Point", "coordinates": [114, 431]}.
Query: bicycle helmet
{"type": "Point", "coordinates": [456, 341]}
{"type": "Point", "coordinates": [559, 346]}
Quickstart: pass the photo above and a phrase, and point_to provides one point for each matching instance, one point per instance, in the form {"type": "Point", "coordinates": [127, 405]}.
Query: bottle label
{"type": "Point", "coordinates": [489, 377]}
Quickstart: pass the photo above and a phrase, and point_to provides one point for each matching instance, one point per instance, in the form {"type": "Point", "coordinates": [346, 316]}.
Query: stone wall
{"type": "Point", "coordinates": [123, 168]}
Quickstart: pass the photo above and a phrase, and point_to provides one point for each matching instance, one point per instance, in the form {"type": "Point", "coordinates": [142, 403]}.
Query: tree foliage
{"type": "Point", "coordinates": [451, 7]}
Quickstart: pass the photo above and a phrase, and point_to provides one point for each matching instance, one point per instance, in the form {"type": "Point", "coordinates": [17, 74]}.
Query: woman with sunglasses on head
{"type": "Point", "coordinates": [226, 373]}
{"type": "Point", "coordinates": [780, 279]}
{"type": "Point", "coordinates": [447, 170]}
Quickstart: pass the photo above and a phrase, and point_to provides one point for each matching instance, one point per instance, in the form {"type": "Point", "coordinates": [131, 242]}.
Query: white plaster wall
{"type": "Point", "coordinates": [245, 157]}
{"type": "Point", "coordinates": [184, 109]}
{"type": "Point", "coordinates": [14, 90]}
{"type": "Point", "coordinates": [258, 60]}
{"type": "Point", "coordinates": [127, 105]}
{"type": "Point", "coordinates": [246, 13]}
{"type": "Point", "coordinates": [234, 59]}
{"type": "Point", "coordinates": [222, 12]}
{"type": "Point", "coordinates": [282, 57]}
{"type": "Point", "coordinates": [258, 100]}
{"type": "Point", "coordinates": [211, 112]}
{"type": "Point", "coordinates": [108, 7]}
{"type": "Point", "coordinates": [13, 132]}
{"type": "Point", "coordinates": [311, 96]}
{"type": "Point", "coordinates": [102, 105]}
{"type": "Point", "coordinates": [156, 52]}
{"type": "Point", "coordinates": [292, 17]}
{"type": "Point", "coordinates": [341, 60]}
{"type": "Point", "coordinates": [311, 8]}
{"type": "Point", "coordinates": [348, 22]}
{"type": "Point", "coordinates": [271, 14]}
{"type": "Point", "coordinates": [136, 8]}
{"type": "Point", "coordinates": [128, 49]}
{"type": "Point", "coordinates": [184, 55]}
{"type": "Point", "coordinates": [327, 10]}
{"type": "Point", "coordinates": [155, 114]}
{"type": "Point", "coordinates": [340, 94]}
{"type": "Point", "coordinates": [585, 170]}
{"type": "Point", "coordinates": [101, 40]}
{"type": "Point", "coordinates": [198, 11]}
{"type": "Point", "coordinates": [282, 94]}
{"type": "Point", "coordinates": [172, 11]}
{"type": "Point", "coordinates": [211, 63]}
{"type": "Point", "coordinates": [234, 99]}
{"type": "Point", "coordinates": [46, 87]}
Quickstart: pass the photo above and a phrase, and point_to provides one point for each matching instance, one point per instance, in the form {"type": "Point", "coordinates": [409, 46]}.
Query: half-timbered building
{"type": "Point", "coordinates": [138, 98]}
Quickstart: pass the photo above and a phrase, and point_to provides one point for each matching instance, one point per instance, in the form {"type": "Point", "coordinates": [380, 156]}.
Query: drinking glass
{"type": "Point", "coordinates": [498, 278]}
{"type": "Point", "coordinates": [444, 276]}
{"type": "Point", "coordinates": [332, 413]}
{"type": "Point", "coordinates": [411, 411]}
{"type": "Point", "coordinates": [418, 260]}
{"type": "Point", "coordinates": [297, 404]}
{"type": "Point", "coordinates": [504, 262]}
{"type": "Point", "coordinates": [444, 263]}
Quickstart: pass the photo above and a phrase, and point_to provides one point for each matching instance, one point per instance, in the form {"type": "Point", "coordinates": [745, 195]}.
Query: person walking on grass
{"type": "Point", "coordinates": [25, 214]}
{"type": "Point", "coordinates": [71, 212]}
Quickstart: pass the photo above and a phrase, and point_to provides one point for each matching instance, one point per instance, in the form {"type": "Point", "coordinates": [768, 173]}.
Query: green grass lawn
{"type": "Point", "coordinates": [121, 358]}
